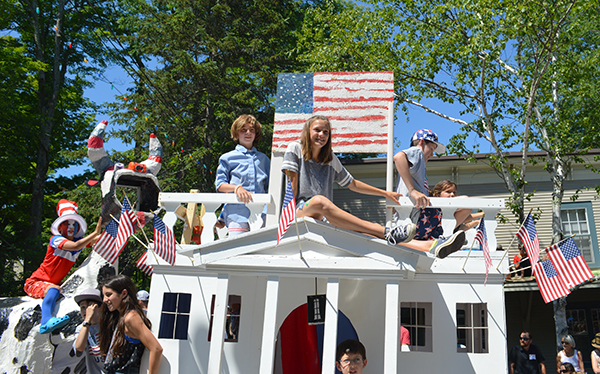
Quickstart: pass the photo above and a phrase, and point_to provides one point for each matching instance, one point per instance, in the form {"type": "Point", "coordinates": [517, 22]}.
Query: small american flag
{"type": "Point", "coordinates": [528, 235]}
{"type": "Point", "coordinates": [105, 246]}
{"type": "Point", "coordinates": [164, 241]}
{"type": "Point", "coordinates": [288, 212]}
{"type": "Point", "coordinates": [126, 228]}
{"type": "Point", "coordinates": [549, 282]}
{"type": "Point", "coordinates": [142, 264]}
{"type": "Point", "coordinates": [481, 237]}
{"type": "Point", "coordinates": [348, 99]}
{"type": "Point", "coordinates": [569, 262]}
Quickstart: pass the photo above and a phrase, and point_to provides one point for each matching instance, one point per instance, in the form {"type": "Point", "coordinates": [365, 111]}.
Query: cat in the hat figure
{"type": "Point", "coordinates": [136, 175]}
{"type": "Point", "coordinates": [65, 246]}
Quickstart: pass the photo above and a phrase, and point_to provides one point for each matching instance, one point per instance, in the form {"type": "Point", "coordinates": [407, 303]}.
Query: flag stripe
{"type": "Point", "coordinates": [142, 264]}
{"type": "Point", "coordinates": [481, 237]}
{"type": "Point", "coordinates": [126, 228]}
{"type": "Point", "coordinates": [288, 212]}
{"type": "Point", "coordinates": [164, 241]}
{"type": "Point", "coordinates": [528, 235]}
{"type": "Point", "coordinates": [569, 262]}
{"type": "Point", "coordinates": [549, 282]}
{"type": "Point", "coordinates": [105, 246]}
{"type": "Point", "coordinates": [364, 98]}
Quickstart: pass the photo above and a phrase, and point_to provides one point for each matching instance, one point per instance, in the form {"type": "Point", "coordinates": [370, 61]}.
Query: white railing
{"type": "Point", "coordinates": [170, 201]}
{"type": "Point", "coordinates": [490, 207]}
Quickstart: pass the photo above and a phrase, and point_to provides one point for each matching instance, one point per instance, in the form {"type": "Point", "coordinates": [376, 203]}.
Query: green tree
{"type": "Point", "coordinates": [45, 51]}
{"type": "Point", "coordinates": [198, 65]}
{"type": "Point", "coordinates": [521, 73]}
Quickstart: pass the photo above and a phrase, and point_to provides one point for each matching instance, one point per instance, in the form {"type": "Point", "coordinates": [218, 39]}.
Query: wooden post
{"type": "Point", "coordinates": [190, 217]}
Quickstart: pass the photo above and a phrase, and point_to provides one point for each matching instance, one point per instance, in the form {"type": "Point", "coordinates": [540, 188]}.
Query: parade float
{"type": "Point", "coordinates": [249, 305]}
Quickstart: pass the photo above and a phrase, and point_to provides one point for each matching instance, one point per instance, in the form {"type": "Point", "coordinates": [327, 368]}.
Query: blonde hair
{"type": "Point", "coordinates": [442, 186]}
{"type": "Point", "coordinates": [240, 122]}
{"type": "Point", "coordinates": [326, 154]}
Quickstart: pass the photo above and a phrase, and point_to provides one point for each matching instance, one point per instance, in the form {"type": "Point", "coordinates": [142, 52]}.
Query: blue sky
{"type": "Point", "coordinates": [403, 129]}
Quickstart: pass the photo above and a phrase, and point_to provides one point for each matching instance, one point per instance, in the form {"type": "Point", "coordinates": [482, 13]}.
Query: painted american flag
{"type": "Point", "coordinates": [528, 235]}
{"type": "Point", "coordinates": [288, 212]}
{"type": "Point", "coordinates": [481, 237]}
{"type": "Point", "coordinates": [164, 241]}
{"type": "Point", "coordinates": [569, 262]}
{"type": "Point", "coordinates": [105, 246]}
{"type": "Point", "coordinates": [142, 264]}
{"type": "Point", "coordinates": [126, 228]}
{"type": "Point", "coordinates": [549, 282]}
{"type": "Point", "coordinates": [359, 105]}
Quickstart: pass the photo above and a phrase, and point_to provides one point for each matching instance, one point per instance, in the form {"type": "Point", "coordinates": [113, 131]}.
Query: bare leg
{"type": "Point", "coordinates": [320, 206]}
{"type": "Point", "coordinates": [419, 245]}
{"type": "Point", "coordinates": [462, 216]}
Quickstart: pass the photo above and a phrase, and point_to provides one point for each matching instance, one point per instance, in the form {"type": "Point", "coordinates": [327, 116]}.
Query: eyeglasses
{"type": "Point", "coordinates": [356, 361]}
{"type": "Point", "coordinates": [524, 338]}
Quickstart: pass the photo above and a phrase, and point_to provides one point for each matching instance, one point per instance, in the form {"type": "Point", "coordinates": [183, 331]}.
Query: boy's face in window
{"type": "Point", "coordinates": [351, 363]}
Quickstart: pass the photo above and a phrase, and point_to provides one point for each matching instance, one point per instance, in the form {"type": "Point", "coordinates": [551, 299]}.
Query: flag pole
{"type": "Point", "coordinates": [298, 234]}
{"type": "Point", "coordinates": [557, 243]}
{"type": "Point", "coordinates": [512, 241]}
{"type": "Point", "coordinates": [137, 220]}
{"type": "Point", "coordinates": [471, 247]}
{"type": "Point", "coordinates": [133, 236]}
{"type": "Point", "coordinates": [147, 246]}
{"type": "Point", "coordinates": [287, 174]}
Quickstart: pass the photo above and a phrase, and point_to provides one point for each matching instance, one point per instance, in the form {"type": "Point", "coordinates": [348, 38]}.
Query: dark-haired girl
{"type": "Point", "coordinates": [125, 330]}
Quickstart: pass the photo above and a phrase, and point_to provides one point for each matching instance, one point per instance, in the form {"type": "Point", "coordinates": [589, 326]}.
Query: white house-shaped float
{"type": "Point", "coordinates": [240, 305]}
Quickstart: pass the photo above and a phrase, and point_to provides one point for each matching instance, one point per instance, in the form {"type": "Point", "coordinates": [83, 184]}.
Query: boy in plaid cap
{"type": "Point", "coordinates": [412, 182]}
{"type": "Point", "coordinates": [64, 248]}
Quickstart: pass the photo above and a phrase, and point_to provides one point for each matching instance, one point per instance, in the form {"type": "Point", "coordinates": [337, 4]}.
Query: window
{"type": "Point", "coordinates": [595, 320]}
{"type": "Point", "coordinates": [577, 322]}
{"type": "Point", "coordinates": [578, 220]}
{"type": "Point", "coordinates": [232, 323]}
{"type": "Point", "coordinates": [416, 318]}
{"type": "Point", "coordinates": [175, 316]}
{"type": "Point", "coordinates": [471, 328]}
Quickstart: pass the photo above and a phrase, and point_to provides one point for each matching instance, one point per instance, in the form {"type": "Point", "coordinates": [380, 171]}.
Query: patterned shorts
{"type": "Point", "coordinates": [429, 224]}
{"type": "Point", "coordinates": [37, 288]}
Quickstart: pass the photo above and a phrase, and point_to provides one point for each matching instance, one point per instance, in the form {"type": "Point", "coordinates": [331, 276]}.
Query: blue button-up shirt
{"type": "Point", "coordinates": [247, 167]}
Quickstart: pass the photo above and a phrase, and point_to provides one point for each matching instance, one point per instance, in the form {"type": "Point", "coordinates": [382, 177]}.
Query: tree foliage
{"type": "Point", "coordinates": [46, 119]}
{"type": "Point", "coordinates": [198, 66]}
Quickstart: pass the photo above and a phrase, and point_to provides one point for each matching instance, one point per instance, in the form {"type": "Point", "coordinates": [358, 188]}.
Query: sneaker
{"type": "Point", "coordinates": [401, 233]}
{"type": "Point", "coordinates": [444, 247]}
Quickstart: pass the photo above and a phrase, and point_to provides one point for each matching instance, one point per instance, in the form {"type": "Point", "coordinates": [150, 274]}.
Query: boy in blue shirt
{"type": "Point", "coordinates": [243, 171]}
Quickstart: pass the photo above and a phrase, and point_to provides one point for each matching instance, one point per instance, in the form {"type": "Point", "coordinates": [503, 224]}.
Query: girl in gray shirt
{"type": "Point", "coordinates": [312, 168]}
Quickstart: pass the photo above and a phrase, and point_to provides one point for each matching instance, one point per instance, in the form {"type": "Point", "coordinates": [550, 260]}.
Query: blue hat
{"type": "Point", "coordinates": [426, 134]}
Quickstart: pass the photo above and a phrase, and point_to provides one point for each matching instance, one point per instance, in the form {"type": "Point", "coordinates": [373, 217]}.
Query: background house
{"type": "Point", "coordinates": [525, 308]}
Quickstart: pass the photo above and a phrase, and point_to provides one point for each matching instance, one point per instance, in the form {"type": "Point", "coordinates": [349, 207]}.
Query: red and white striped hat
{"type": "Point", "coordinates": [67, 210]}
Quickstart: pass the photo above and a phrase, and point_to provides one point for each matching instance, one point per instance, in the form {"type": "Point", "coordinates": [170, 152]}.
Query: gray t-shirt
{"type": "Point", "coordinates": [418, 172]}
{"type": "Point", "coordinates": [314, 178]}
{"type": "Point", "coordinates": [93, 360]}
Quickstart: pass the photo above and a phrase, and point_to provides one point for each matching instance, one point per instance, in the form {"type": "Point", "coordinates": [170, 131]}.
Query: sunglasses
{"type": "Point", "coordinates": [523, 338]}
{"type": "Point", "coordinates": [565, 371]}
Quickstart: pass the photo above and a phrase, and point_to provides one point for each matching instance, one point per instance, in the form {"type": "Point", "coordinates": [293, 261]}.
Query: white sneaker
{"type": "Point", "coordinates": [401, 233]}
